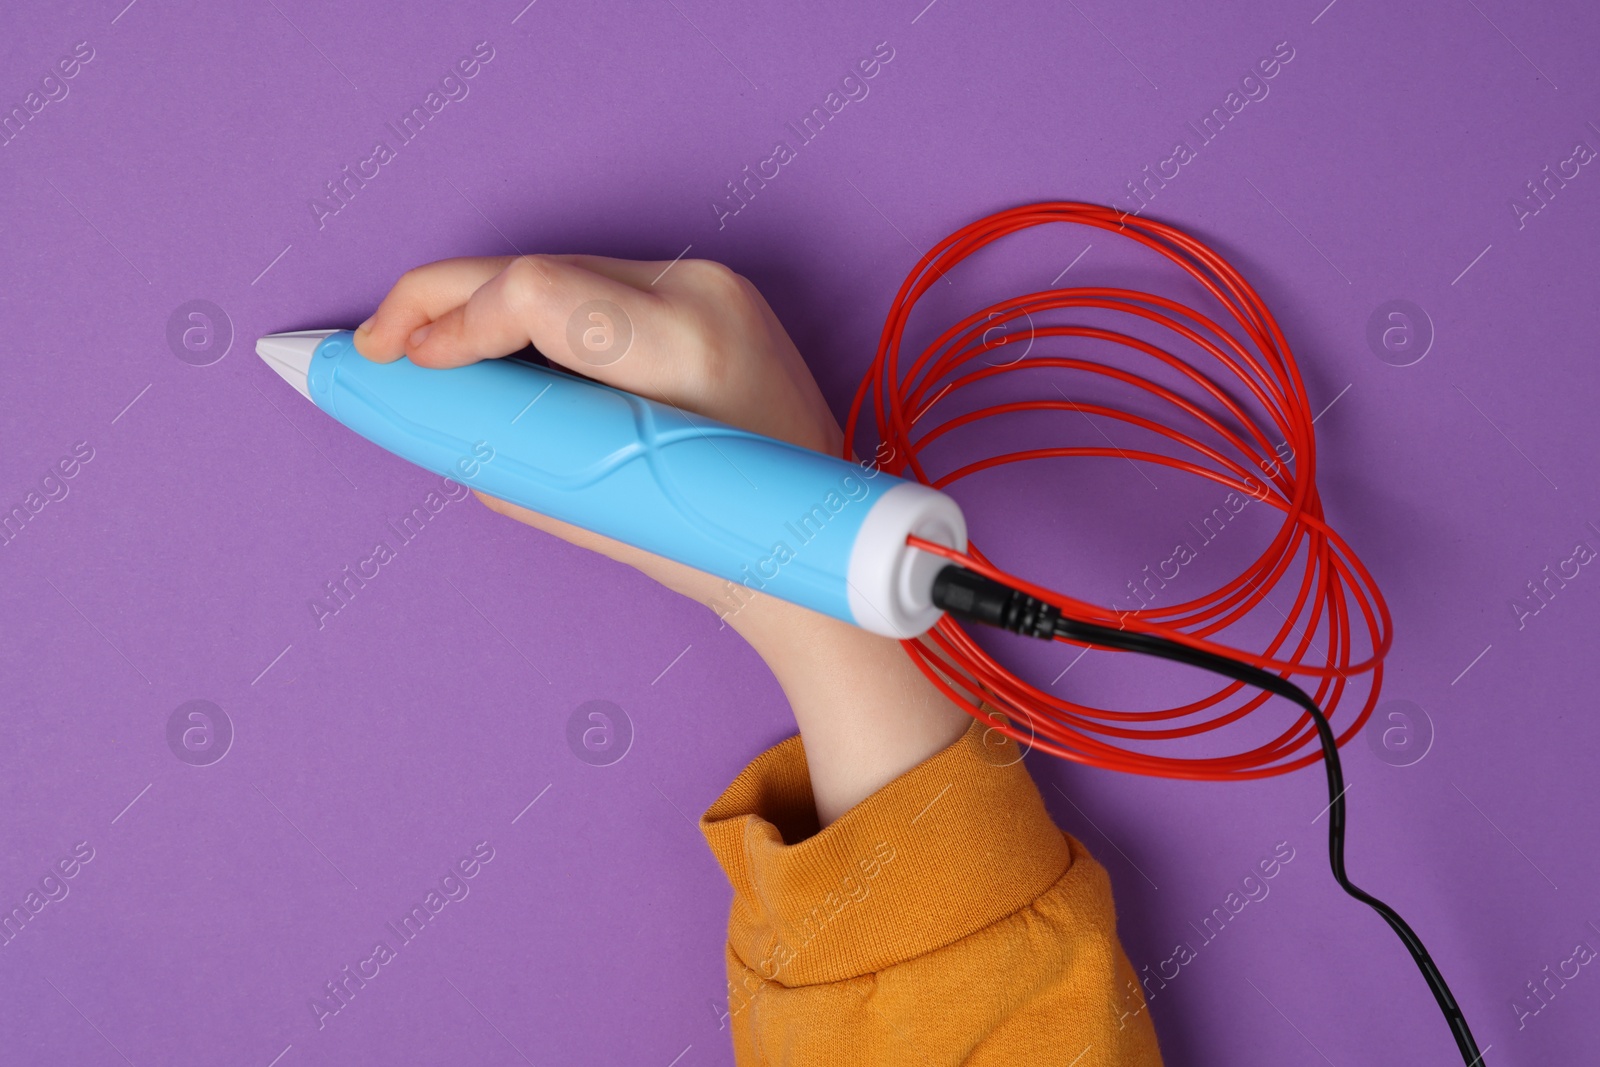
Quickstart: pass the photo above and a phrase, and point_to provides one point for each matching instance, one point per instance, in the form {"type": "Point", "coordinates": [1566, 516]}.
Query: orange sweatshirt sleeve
{"type": "Point", "coordinates": [943, 920]}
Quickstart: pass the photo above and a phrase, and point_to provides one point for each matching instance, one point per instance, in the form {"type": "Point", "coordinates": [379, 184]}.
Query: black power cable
{"type": "Point", "coordinates": [969, 595]}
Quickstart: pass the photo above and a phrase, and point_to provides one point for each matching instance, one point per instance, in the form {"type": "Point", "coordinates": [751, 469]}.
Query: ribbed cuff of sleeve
{"type": "Point", "coordinates": [948, 848]}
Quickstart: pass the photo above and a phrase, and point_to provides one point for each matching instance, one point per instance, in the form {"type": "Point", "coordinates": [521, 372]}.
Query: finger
{"type": "Point", "coordinates": [427, 292]}
{"type": "Point", "coordinates": [580, 319]}
{"type": "Point", "coordinates": [420, 296]}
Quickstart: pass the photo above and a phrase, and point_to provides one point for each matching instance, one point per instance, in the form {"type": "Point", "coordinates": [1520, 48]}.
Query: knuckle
{"type": "Point", "coordinates": [715, 279]}
{"type": "Point", "coordinates": [408, 283]}
{"type": "Point", "coordinates": [716, 300]}
{"type": "Point", "coordinates": [524, 284]}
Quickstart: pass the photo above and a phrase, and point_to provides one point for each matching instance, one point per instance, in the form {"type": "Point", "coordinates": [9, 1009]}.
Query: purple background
{"type": "Point", "coordinates": [373, 754]}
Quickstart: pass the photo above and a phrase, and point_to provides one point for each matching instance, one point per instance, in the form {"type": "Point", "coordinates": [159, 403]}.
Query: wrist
{"type": "Point", "coordinates": [865, 711]}
{"type": "Point", "coordinates": [781, 632]}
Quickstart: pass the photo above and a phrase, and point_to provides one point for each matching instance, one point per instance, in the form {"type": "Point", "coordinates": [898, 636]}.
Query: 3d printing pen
{"type": "Point", "coordinates": [816, 530]}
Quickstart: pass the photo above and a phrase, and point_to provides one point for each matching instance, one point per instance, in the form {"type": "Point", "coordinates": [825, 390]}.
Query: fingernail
{"type": "Point", "coordinates": [420, 334]}
{"type": "Point", "coordinates": [365, 326]}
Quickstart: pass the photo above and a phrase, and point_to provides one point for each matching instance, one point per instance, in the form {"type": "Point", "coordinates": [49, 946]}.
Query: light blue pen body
{"type": "Point", "coordinates": [764, 515]}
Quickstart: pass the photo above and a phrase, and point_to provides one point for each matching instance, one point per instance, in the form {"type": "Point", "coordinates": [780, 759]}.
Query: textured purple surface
{"type": "Point", "coordinates": [372, 755]}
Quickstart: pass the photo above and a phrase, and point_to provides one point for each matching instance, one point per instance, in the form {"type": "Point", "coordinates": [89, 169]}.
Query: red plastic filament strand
{"type": "Point", "coordinates": [1334, 593]}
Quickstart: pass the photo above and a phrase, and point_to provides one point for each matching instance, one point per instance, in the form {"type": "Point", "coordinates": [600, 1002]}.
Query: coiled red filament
{"type": "Point", "coordinates": [1335, 596]}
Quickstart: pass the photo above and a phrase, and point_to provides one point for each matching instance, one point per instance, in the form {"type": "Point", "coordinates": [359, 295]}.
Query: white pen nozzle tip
{"type": "Point", "coordinates": [290, 355]}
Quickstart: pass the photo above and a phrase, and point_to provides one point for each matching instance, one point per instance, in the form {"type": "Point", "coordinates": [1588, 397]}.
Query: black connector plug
{"type": "Point", "coordinates": [969, 595]}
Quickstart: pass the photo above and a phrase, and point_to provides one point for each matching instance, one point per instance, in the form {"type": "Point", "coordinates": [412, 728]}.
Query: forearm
{"type": "Point", "coordinates": [866, 713]}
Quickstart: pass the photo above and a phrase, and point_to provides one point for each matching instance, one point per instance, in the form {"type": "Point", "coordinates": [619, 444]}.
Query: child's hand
{"type": "Point", "coordinates": [691, 333]}
{"type": "Point", "coordinates": [701, 338]}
